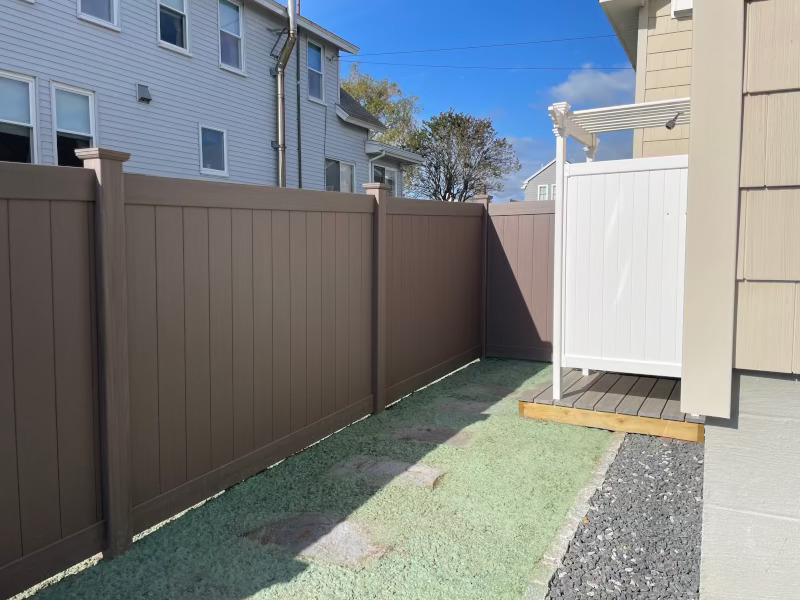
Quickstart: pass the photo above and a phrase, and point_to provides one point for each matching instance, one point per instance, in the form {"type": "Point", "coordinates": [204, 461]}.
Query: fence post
{"type": "Point", "coordinates": [485, 200]}
{"type": "Point", "coordinates": [380, 192]}
{"type": "Point", "coordinates": [112, 309]}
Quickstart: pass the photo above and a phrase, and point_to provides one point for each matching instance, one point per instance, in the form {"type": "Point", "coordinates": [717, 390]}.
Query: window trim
{"type": "Point", "coordinates": [224, 132]}
{"type": "Point", "coordinates": [385, 169]}
{"type": "Point", "coordinates": [546, 188]}
{"type": "Point", "coordinates": [352, 165]}
{"type": "Point", "coordinates": [34, 124]}
{"type": "Point", "coordinates": [113, 24]}
{"type": "Point", "coordinates": [95, 143]}
{"type": "Point", "coordinates": [241, 70]}
{"type": "Point", "coordinates": [321, 73]}
{"type": "Point", "coordinates": [552, 191]}
{"type": "Point", "coordinates": [166, 45]}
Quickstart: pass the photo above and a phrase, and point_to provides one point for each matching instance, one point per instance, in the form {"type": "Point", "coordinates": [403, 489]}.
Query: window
{"type": "Point", "coordinates": [315, 87]}
{"type": "Point", "coordinates": [542, 192]}
{"type": "Point", "coordinates": [74, 123]}
{"type": "Point", "coordinates": [338, 176]}
{"type": "Point", "coordinates": [387, 176]}
{"type": "Point", "coordinates": [172, 23]}
{"type": "Point", "coordinates": [17, 119]}
{"type": "Point", "coordinates": [553, 192]}
{"type": "Point", "coordinates": [102, 12]}
{"type": "Point", "coordinates": [231, 35]}
{"type": "Point", "coordinates": [213, 151]}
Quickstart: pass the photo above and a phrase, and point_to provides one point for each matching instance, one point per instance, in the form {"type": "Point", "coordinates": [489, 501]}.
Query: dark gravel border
{"type": "Point", "coordinates": [641, 535]}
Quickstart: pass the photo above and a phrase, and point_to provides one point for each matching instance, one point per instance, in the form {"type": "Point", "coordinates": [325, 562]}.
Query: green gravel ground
{"type": "Point", "coordinates": [478, 534]}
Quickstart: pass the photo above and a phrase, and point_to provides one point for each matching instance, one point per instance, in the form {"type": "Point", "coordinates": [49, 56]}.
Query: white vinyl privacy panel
{"type": "Point", "coordinates": [625, 227]}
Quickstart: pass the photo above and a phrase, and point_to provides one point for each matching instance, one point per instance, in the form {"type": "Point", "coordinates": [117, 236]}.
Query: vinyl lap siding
{"type": "Point", "coordinates": [548, 176]}
{"type": "Point", "coordinates": [48, 41]}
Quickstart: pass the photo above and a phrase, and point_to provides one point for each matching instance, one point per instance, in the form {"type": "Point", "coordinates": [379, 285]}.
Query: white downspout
{"type": "Point", "coordinates": [371, 161]}
{"type": "Point", "coordinates": [283, 60]}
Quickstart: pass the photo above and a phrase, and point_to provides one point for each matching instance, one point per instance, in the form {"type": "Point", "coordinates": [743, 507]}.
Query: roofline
{"type": "Point", "coordinates": [527, 181]}
{"type": "Point", "coordinates": [347, 118]}
{"type": "Point", "coordinates": [405, 156]}
{"type": "Point", "coordinates": [278, 9]}
{"type": "Point", "coordinates": [616, 11]}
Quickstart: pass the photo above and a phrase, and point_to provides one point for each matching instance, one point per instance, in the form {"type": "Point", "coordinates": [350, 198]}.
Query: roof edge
{"type": "Point", "coordinates": [348, 118]}
{"type": "Point", "coordinates": [527, 181]}
{"type": "Point", "coordinates": [278, 9]}
{"type": "Point", "coordinates": [406, 156]}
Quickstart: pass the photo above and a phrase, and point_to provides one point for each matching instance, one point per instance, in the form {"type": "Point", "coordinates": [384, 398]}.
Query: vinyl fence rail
{"type": "Point", "coordinates": [162, 339]}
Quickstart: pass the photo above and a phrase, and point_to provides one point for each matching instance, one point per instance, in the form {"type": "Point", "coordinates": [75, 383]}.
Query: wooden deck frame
{"type": "Point", "coordinates": [632, 404]}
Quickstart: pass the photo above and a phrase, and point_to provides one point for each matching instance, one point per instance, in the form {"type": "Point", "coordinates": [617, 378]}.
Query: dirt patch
{"type": "Point", "coordinates": [385, 470]}
{"type": "Point", "coordinates": [320, 537]}
{"type": "Point", "coordinates": [434, 435]}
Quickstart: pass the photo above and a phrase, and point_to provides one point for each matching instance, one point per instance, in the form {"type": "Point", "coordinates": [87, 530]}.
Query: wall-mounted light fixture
{"type": "Point", "coordinates": [143, 94]}
{"type": "Point", "coordinates": [672, 122]}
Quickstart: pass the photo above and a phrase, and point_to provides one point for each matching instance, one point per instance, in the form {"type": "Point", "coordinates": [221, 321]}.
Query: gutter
{"type": "Point", "coordinates": [371, 161]}
{"type": "Point", "coordinates": [283, 60]}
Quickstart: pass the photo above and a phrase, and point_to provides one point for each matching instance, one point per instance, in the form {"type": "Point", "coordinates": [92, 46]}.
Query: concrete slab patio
{"type": "Point", "coordinates": [340, 520]}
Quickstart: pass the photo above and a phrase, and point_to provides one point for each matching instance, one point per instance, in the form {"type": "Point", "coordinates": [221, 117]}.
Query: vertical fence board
{"type": "Point", "coordinates": [242, 298]}
{"type": "Point", "coordinates": [654, 249]}
{"type": "Point", "coordinates": [328, 301]}
{"type": "Point", "coordinates": [281, 325]}
{"type": "Point", "coordinates": [342, 310]}
{"type": "Point", "coordinates": [262, 327]}
{"type": "Point", "coordinates": [34, 377]}
{"type": "Point", "coordinates": [143, 351]}
{"type": "Point", "coordinates": [198, 383]}
{"type": "Point", "coordinates": [355, 316]}
{"type": "Point", "coordinates": [75, 390]}
{"type": "Point", "coordinates": [367, 283]}
{"type": "Point", "coordinates": [10, 534]}
{"type": "Point", "coordinates": [221, 335]}
{"type": "Point", "coordinates": [314, 315]}
{"type": "Point", "coordinates": [171, 346]}
{"type": "Point", "coordinates": [610, 262]}
{"type": "Point", "coordinates": [297, 228]}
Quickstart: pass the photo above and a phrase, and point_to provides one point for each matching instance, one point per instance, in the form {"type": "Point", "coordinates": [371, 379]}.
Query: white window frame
{"type": "Point", "coordinates": [113, 25]}
{"type": "Point", "coordinates": [352, 165]}
{"type": "Point", "coordinates": [553, 191]}
{"type": "Point", "coordinates": [241, 70]}
{"type": "Point", "coordinates": [92, 116]}
{"type": "Point", "coordinates": [539, 189]}
{"type": "Point", "coordinates": [385, 170]}
{"type": "Point", "coordinates": [322, 72]}
{"type": "Point", "coordinates": [187, 29]}
{"type": "Point", "coordinates": [224, 132]}
{"type": "Point", "coordinates": [31, 81]}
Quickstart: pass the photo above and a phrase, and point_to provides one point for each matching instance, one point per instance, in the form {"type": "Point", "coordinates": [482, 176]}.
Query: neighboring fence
{"type": "Point", "coordinates": [50, 499]}
{"type": "Point", "coordinates": [519, 290]}
{"type": "Point", "coordinates": [235, 326]}
{"type": "Point", "coordinates": [434, 266]}
{"type": "Point", "coordinates": [624, 235]}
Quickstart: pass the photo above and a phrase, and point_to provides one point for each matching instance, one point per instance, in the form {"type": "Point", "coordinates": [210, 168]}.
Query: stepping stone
{"type": "Point", "coordinates": [389, 469]}
{"type": "Point", "coordinates": [320, 537]}
{"type": "Point", "coordinates": [473, 407]}
{"type": "Point", "coordinates": [434, 435]}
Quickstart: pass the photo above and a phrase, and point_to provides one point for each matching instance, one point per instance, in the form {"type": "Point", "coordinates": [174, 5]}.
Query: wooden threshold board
{"type": "Point", "coordinates": [679, 430]}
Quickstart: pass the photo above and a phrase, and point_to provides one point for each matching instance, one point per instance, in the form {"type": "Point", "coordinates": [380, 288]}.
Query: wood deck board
{"type": "Point", "coordinates": [631, 403]}
{"type": "Point", "coordinates": [546, 397]}
{"type": "Point", "coordinates": [655, 401]}
{"type": "Point", "coordinates": [578, 389]}
{"type": "Point", "coordinates": [615, 395]}
{"type": "Point", "coordinates": [598, 390]}
{"type": "Point", "coordinates": [672, 409]}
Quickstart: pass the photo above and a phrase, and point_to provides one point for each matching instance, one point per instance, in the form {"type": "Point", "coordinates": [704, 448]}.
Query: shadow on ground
{"type": "Point", "coordinates": [474, 527]}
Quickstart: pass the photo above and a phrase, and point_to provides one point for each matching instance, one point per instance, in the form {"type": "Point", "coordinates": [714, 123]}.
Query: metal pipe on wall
{"type": "Point", "coordinates": [283, 60]}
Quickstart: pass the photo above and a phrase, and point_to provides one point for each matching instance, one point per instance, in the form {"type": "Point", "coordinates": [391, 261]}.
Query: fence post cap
{"type": "Point", "coordinates": [375, 186]}
{"type": "Point", "coordinates": [101, 153]}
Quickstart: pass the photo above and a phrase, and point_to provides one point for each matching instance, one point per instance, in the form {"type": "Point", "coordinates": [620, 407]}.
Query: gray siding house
{"type": "Point", "coordinates": [188, 88]}
{"type": "Point", "coordinates": [542, 184]}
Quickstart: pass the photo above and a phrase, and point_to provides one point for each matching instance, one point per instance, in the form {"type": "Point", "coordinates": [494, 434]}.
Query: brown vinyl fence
{"type": "Point", "coordinates": [519, 292]}
{"type": "Point", "coordinates": [163, 339]}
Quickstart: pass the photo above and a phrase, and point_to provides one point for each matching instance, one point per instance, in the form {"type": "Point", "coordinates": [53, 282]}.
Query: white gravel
{"type": "Point", "coordinates": [641, 535]}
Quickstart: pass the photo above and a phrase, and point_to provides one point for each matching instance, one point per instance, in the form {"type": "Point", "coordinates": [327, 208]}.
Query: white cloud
{"type": "Point", "coordinates": [590, 87]}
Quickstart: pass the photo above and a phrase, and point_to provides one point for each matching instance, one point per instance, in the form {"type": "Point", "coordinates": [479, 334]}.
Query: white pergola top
{"type": "Point", "coordinates": [583, 125]}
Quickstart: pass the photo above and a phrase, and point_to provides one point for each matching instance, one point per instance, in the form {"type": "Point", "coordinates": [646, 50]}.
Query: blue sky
{"type": "Point", "coordinates": [516, 100]}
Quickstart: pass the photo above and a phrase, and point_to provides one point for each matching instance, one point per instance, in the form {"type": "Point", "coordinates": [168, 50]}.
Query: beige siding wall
{"type": "Point", "coordinates": [768, 273]}
{"type": "Point", "coordinates": [664, 72]}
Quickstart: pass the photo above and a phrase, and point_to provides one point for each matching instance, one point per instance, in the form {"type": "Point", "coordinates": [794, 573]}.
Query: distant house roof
{"type": "Point", "coordinates": [528, 180]}
{"type": "Point", "coordinates": [350, 110]}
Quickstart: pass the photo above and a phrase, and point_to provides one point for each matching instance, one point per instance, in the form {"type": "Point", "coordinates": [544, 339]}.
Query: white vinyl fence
{"type": "Point", "coordinates": [624, 233]}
